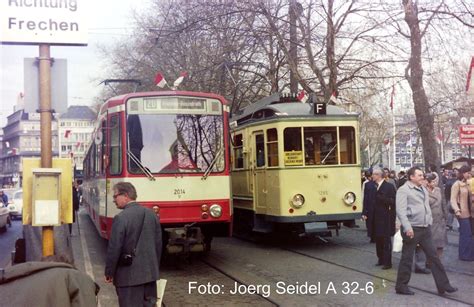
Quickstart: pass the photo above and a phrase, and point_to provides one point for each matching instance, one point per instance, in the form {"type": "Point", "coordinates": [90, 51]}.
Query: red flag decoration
{"type": "Point", "coordinates": [439, 137]}
{"type": "Point", "coordinates": [391, 97]}
{"type": "Point", "coordinates": [180, 79]}
{"type": "Point", "coordinates": [160, 80]}
{"type": "Point", "coordinates": [302, 96]}
{"type": "Point", "coordinates": [67, 133]}
{"type": "Point", "coordinates": [78, 144]}
{"type": "Point", "coordinates": [333, 98]}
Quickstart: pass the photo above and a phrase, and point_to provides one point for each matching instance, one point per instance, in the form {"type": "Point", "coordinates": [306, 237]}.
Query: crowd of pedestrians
{"type": "Point", "coordinates": [423, 207]}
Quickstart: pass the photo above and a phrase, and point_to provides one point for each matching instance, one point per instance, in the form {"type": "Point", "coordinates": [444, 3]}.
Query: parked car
{"type": "Point", "coordinates": [4, 217]}
{"type": "Point", "coordinates": [15, 204]}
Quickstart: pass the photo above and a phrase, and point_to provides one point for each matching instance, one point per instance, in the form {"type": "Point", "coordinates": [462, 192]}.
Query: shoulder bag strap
{"type": "Point", "coordinates": [140, 235]}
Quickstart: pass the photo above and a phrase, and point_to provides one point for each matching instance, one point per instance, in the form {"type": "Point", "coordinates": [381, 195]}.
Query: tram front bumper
{"type": "Point", "coordinates": [185, 240]}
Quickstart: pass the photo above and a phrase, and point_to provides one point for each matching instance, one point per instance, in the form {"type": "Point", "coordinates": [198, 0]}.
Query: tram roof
{"type": "Point", "coordinates": [272, 106]}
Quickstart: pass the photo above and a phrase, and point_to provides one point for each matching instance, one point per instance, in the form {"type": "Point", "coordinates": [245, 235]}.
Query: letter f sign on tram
{"type": "Point", "coordinates": [319, 109]}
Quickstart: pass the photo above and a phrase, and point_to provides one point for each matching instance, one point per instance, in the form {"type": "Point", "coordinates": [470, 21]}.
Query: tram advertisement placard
{"type": "Point", "coordinates": [293, 158]}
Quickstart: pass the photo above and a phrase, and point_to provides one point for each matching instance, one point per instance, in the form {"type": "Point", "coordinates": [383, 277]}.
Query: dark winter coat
{"type": "Point", "coordinates": [381, 210]}
{"type": "Point", "coordinates": [368, 207]}
{"type": "Point", "coordinates": [125, 230]}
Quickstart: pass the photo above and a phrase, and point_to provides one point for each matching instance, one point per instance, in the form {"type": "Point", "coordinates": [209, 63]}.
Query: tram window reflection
{"type": "Point", "coordinates": [347, 145]}
{"type": "Point", "coordinates": [292, 139]}
{"type": "Point", "coordinates": [260, 150]}
{"type": "Point", "coordinates": [115, 146]}
{"type": "Point", "coordinates": [320, 145]}
{"type": "Point", "coordinates": [238, 151]}
{"type": "Point", "coordinates": [135, 141]}
{"type": "Point", "coordinates": [272, 147]}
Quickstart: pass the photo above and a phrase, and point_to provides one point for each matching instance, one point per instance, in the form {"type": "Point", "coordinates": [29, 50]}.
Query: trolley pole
{"type": "Point", "coordinates": [45, 128]}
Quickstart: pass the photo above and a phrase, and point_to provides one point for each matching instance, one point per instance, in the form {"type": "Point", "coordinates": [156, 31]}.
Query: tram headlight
{"type": "Point", "coordinates": [297, 201]}
{"type": "Point", "coordinates": [349, 198]}
{"type": "Point", "coordinates": [215, 211]}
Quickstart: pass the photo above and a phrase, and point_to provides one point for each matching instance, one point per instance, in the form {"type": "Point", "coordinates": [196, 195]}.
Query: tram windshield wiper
{"type": "Point", "coordinates": [330, 152]}
{"type": "Point", "coordinates": [140, 165]}
{"type": "Point", "coordinates": [209, 168]}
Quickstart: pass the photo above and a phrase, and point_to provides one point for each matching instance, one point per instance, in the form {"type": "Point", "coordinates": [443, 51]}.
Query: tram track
{"type": "Point", "coordinates": [238, 280]}
{"type": "Point", "coordinates": [373, 275]}
{"type": "Point", "coordinates": [346, 267]}
{"type": "Point", "coordinates": [448, 269]}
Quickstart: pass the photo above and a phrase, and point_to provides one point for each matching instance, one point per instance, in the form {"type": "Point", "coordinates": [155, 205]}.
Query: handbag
{"type": "Point", "coordinates": [126, 259]}
{"type": "Point", "coordinates": [397, 242]}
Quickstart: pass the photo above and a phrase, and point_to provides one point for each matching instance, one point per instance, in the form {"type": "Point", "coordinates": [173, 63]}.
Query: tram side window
{"type": "Point", "coordinates": [238, 151]}
{"type": "Point", "coordinates": [320, 145]}
{"type": "Point", "coordinates": [292, 147]}
{"type": "Point", "coordinates": [260, 150]}
{"type": "Point", "coordinates": [347, 145]}
{"type": "Point", "coordinates": [272, 147]}
{"type": "Point", "coordinates": [115, 146]}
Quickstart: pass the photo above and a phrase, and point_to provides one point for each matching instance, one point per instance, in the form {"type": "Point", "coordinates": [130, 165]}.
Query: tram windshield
{"type": "Point", "coordinates": [319, 146]}
{"type": "Point", "coordinates": [175, 143]}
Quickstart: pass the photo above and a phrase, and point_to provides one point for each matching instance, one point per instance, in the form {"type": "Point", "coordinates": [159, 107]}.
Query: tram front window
{"type": "Point", "coordinates": [175, 143]}
{"type": "Point", "coordinates": [320, 145]}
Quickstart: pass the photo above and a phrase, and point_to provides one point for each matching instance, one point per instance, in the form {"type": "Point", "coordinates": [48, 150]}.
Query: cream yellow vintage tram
{"type": "Point", "coordinates": [295, 167]}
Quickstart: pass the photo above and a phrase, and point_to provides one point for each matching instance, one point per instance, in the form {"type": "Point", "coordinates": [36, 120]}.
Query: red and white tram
{"type": "Point", "coordinates": [172, 146]}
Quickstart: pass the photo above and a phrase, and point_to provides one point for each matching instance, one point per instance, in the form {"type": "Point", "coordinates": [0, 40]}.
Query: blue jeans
{"type": "Point", "coordinates": [466, 242]}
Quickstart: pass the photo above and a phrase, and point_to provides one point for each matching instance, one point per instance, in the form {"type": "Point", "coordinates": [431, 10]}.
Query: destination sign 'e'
{"type": "Point", "coordinates": [55, 22]}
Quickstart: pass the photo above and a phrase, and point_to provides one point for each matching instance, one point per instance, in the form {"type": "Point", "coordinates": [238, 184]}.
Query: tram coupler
{"type": "Point", "coordinates": [185, 240]}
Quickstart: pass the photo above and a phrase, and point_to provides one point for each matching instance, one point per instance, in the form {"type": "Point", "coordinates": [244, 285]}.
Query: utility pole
{"type": "Point", "coordinates": [293, 45]}
{"type": "Point", "coordinates": [45, 129]}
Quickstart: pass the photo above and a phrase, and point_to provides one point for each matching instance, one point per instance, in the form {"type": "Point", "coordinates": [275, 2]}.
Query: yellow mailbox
{"type": "Point", "coordinates": [46, 197]}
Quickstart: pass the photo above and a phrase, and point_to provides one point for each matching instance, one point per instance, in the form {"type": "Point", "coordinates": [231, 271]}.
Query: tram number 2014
{"type": "Point", "coordinates": [179, 191]}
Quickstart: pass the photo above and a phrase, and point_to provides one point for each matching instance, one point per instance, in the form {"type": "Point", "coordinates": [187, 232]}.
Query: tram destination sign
{"type": "Point", "coordinates": [54, 22]}
{"type": "Point", "coordinates": [466, 134]}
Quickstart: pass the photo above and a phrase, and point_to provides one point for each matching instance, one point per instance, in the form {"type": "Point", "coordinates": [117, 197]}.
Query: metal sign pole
{"type": "Point", "coordinates": [46, 138]}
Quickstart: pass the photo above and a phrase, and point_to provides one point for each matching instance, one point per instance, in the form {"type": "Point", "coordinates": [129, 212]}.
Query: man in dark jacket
{"type": "Point", "coordinates": [368, 208]}
{"type": "Point", "coordinates": [136, 232]}
{"type": "Point", "coordinates": [382, 199]}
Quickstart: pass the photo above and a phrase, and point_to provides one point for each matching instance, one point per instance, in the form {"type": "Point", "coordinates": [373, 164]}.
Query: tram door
{"type": "Point", "coordinates": [259, 173]}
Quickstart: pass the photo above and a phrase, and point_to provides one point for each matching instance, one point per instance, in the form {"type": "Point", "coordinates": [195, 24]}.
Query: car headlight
{"type": "Point", "coordinates": [297, 201]}
{"type": "Point", "coordinates": [215, 211]}
{"type": "Point", "coordinates": [349, 198]}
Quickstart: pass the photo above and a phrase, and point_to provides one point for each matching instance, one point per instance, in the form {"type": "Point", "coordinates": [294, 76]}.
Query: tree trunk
{"type": "Point", "coordinates": [414, 75]}
{"type": "Point", "coordinates": [331, 53]}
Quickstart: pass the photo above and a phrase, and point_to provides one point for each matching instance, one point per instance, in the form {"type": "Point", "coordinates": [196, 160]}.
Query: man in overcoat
{"type": "Point", "coordinates": [136, 232]}
{"type": "Point", "coordinates": [381, 198]}
{"type": "Point", "coordinates": [368, 208]}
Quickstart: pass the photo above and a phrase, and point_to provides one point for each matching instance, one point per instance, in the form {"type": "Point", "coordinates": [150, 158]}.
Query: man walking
{"type": "Point", "coordinates": [414, 213]}
{"type": "Point", "coordinates": [382, 196]}
{"type": "Point", "coordinates": [134, 250]}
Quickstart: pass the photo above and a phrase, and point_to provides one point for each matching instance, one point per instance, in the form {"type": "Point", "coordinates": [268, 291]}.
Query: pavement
{"type": "Point", "coordinates": [254, 263]}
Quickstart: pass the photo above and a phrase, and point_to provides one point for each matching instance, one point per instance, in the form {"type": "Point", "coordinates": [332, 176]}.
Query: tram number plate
{"type": "Point", "coordinates": [179, 191]}
{"type": "Point", "coordinates": [315, 226]}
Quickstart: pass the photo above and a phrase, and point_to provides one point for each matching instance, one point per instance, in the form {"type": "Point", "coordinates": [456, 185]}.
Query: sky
{"type": "Point", "coordinates": [109, 21]}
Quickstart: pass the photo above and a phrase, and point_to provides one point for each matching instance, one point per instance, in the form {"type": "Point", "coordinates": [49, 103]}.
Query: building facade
{"type": "Point", "coordinates": [75, 132]}
{"type": "Point", "coordinates": [21, 139]}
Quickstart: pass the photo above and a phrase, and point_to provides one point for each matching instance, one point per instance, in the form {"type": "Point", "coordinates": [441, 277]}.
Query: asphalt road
{"type": "Point", "coordinates": [345, 260]}
{"type": "Point", "coordinates": [7, 241]}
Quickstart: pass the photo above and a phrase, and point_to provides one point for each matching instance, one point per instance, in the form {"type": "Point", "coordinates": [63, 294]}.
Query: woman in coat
{"type": "Point", "coordinates": [461, 204]}
{"type": "Point", "coordinates": [439, 212]}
